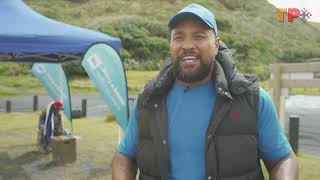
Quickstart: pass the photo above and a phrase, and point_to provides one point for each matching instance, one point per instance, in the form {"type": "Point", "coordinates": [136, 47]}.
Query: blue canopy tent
{"type": "Point", "coordinates": [26, 36]}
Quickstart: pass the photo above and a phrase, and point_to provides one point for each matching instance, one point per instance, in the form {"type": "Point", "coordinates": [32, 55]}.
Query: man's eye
{"type": "Point", "coordinates": [177, 38]}
{"type": "Point", "coordinates": [199, 37]}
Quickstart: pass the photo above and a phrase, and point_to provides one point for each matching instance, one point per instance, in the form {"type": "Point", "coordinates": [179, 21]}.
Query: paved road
{"type": "Point", "coordinates": [306, 107]}
{"type": "Point", "coordinates": [96, 107]}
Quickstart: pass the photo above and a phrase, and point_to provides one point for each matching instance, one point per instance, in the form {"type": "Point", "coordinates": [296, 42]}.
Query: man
{"type": "Point", "coordinates": [200, 118]}
{"type": "Point", "coordinates": [50, 124]}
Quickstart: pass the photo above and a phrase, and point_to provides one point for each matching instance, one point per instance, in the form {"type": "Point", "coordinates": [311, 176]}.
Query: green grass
{"type": "Point", "coordinates": [19, 85]}
{"type": "Point", "coordinates": [309, 167]}
{"type": "Point", "coordinates": [294, 91]}
{"type": "Point", "coordinates": [137, 79]}
{"type": "Point", "coordinates": [19, 158]}
{"type": "Point", "coordinates": [306, 91]}
{"type": "Point", "coordinates": [95, 149]}
{"type": "Point", "coordinates": [28, 85]}
{"type": "Point", "coordinates": [25, 82]}
{"type": "Point", "coordinates": [8, 91]}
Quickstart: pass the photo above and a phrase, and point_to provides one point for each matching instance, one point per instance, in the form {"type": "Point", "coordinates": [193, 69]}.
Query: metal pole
{"type": "Point", "coordinates": [84, 107]}
{"type": "Point", "coordinates": [294, 133]}
{"type": "Point", "coordinates": [35, 103]}
{"type": "Point", "coordinates": [8, 106]}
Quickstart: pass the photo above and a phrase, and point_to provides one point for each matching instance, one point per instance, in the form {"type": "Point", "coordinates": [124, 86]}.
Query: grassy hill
{"type": "Point", "coordinates": [248, 27]}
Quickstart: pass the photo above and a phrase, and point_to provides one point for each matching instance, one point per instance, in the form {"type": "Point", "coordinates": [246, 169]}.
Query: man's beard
{"type": "Point", "coordinates": [193, 76]}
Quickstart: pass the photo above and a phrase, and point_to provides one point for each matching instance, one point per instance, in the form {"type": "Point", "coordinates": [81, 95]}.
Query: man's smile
{"type": "Point", "coordinates": [189, 61]}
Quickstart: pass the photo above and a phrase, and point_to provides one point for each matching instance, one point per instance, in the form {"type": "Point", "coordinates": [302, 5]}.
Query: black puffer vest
{"type": "Point", "coordinates": [231, 142]}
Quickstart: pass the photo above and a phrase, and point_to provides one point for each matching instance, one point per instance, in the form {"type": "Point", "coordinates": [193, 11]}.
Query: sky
{"type": "Point", "coordinates": [313, 6]}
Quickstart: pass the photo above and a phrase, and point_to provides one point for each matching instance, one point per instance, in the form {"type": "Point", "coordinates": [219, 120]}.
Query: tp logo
{"type": "Point", "coordinates": [293, 13]}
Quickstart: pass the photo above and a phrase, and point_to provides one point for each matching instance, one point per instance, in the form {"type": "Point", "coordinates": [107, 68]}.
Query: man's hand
{"type": "Point", "coordinates": [123, 167]}
{"type": "Point", "coordinates": [284, 169]}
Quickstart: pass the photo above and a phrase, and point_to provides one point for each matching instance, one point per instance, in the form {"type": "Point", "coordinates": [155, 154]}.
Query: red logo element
{"type": "Point", "coordinates": [235, 116]}
{"type": "Point", "coordinates": [292, 14]}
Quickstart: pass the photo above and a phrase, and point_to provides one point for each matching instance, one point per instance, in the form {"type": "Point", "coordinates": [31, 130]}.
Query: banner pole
{"type": "Point", "coordinates": [120, 134]}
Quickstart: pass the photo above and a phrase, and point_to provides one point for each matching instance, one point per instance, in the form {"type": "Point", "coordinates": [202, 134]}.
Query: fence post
{"type": "Point", "coordinates": [8, 106]}
{"type": "Point", "coordinates": [84, 108]}
{"type": "Point", "coordinates": [294, 133]}
{"type": "Point", "coordinates": [76, 114]}
{"type": "Point", "coordinates": [35, 103]}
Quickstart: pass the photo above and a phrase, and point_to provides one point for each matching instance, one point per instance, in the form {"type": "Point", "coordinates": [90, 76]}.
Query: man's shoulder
{"type": "Point", "coordinates": [264, 96]}
{"type": "Point", "coordinates": [266, 105]}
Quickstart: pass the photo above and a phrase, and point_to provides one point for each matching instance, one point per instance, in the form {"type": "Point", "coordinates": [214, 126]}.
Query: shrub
{"type": "Point", "coordinates": [74, 70]}
{"type": "Point", "coordinates": [294, 55]}
{"type": "Point", "coordinates": [223, 24]}
{"type": "Point", "coordinates": [142, 40]}
{"type": "Point", "coordinates": [15, 69]}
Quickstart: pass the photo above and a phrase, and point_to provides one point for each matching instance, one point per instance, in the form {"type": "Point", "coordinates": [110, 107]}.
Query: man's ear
{"type": "Point", "coordinates": [217, 44]}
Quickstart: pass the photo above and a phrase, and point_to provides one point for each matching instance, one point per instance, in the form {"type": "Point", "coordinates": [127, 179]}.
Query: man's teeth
{"type": "Point", "coordinates": [189, 58]}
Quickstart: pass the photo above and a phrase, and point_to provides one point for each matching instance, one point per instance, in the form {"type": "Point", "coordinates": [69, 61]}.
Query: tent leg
{"type": "Point", "coordinates": [120, 134]}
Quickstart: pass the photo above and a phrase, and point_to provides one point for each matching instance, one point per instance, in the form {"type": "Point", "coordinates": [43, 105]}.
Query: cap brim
{"type": "Point", "coordinates": [180, 16]}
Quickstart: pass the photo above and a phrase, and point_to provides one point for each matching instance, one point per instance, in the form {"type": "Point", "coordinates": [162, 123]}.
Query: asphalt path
{"type": "Point", "coordinates": [306, 107]}
{"type": "Point", "coordinates": [96, 107]}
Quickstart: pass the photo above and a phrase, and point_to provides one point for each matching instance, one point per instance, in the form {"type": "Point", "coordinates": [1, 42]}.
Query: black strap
{"type": "Point", "coordinates": [256, 97]}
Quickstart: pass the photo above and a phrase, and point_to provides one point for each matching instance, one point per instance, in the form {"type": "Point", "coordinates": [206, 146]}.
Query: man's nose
{"type": "Point", "coordinates": [188, 45]}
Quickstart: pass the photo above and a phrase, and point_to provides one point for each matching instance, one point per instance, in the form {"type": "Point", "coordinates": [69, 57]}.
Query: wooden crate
{"type": "Point", "coordinates": [64, 149]}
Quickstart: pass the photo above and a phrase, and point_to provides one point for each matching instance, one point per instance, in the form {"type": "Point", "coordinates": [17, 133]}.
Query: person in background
{"type": "Point", "coordinates": [50, 124]}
